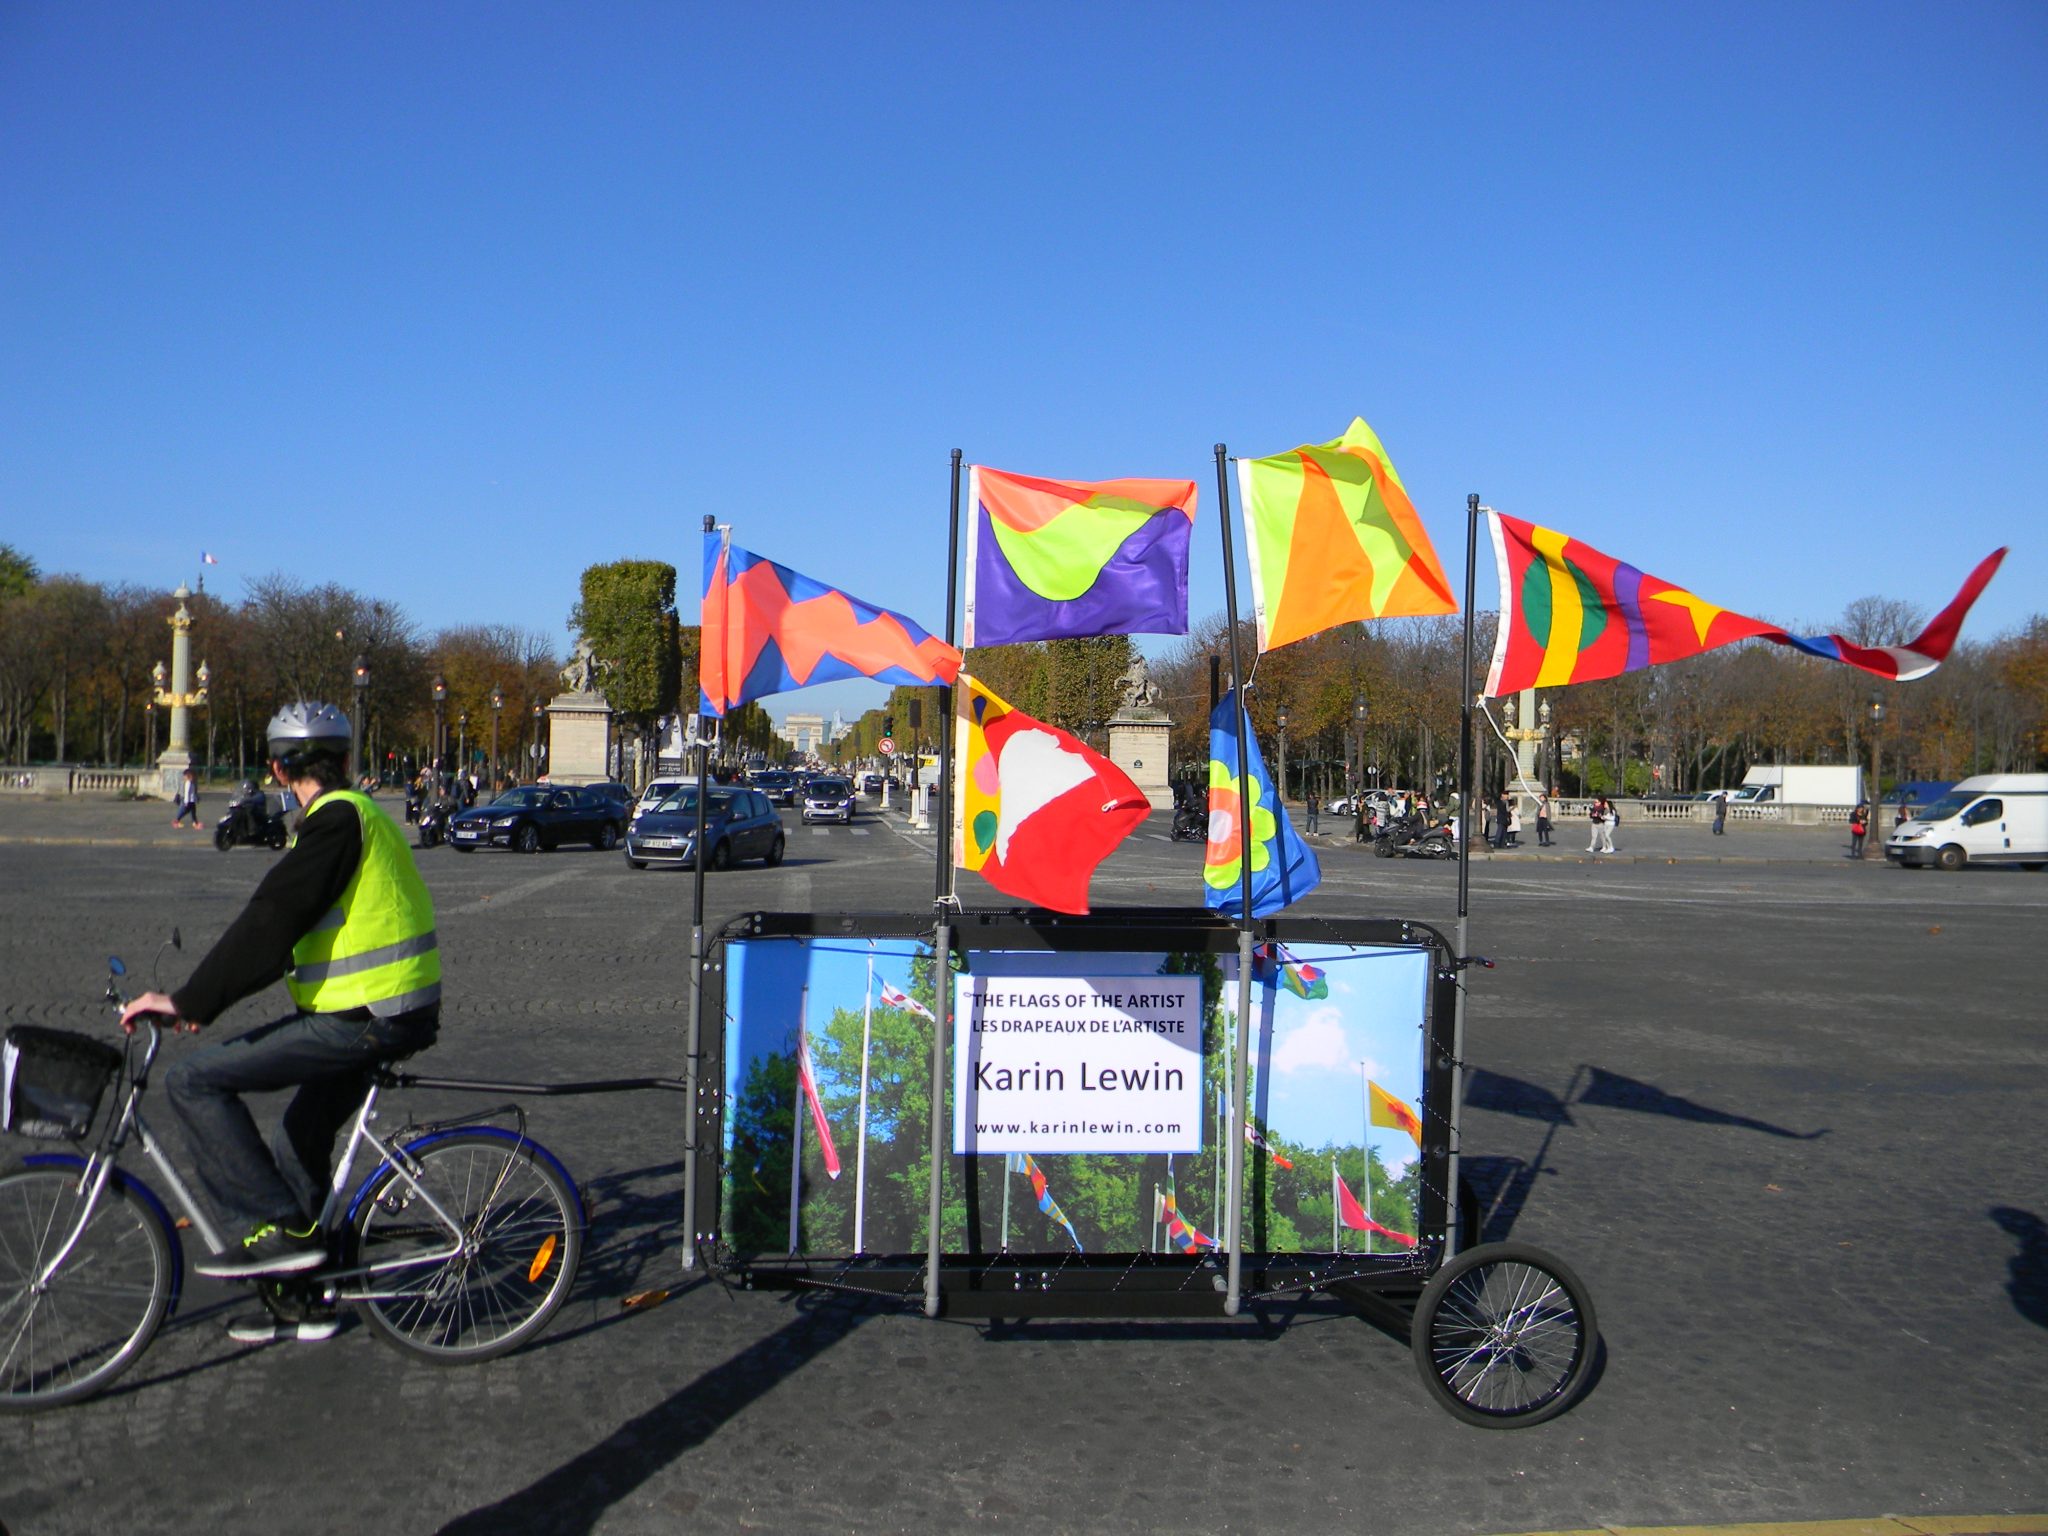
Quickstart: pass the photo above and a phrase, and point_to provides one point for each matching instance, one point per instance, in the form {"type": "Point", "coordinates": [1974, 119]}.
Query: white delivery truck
{"type": "Point", "coordinates": [1995, 818]}
{"type": "Point", "coordinates": [1800, 784]}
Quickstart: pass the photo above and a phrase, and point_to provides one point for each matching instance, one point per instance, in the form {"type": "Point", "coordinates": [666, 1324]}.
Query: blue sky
{"type": "Point", "coordinates": [446, 302]}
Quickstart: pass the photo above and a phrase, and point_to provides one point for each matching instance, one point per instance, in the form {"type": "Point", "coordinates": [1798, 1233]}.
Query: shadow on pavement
{"type": "Point", "coordinates": [575, 1496]}
{"type": "Point", "coordinates": [1506, 1095]}
{"type": "Point", "coordinates": [2027, 1272]}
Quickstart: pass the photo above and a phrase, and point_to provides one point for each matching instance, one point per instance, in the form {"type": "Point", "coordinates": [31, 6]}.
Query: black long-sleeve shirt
{"type": "Point", "coordinates": [301, 888]}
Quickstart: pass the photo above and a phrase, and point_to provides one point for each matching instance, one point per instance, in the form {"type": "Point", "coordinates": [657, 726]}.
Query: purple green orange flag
{"type": "Point", "coordinates": [1334, 538]}
{"type": "Point", "coordinates": [1572, 614]}
{"type": "Point", "coordinates": [1066, 559]}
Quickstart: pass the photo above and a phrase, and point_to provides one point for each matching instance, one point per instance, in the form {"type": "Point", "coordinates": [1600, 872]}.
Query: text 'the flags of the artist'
{"type": "Point", "coordinates": [1066, 559]}
{"type": "Point", "coordinates": [768, 629]}
{"type": "Point", "coordinates": [1334, 538]}
{"type": "Point", "coordinates": [1038, 808]}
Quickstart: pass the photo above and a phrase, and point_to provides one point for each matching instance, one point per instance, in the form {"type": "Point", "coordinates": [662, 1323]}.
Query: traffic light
{"type": "Point", "coordinates": [888, 725]}
{"type": "Point", "coordinates": [917, 714]}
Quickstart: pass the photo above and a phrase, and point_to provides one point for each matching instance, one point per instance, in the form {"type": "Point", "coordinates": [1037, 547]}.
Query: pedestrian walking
{"type": "Point", "coordinates": [1609, 826]}
{"type": "Point", "coordinates": [1721, 814]}
{"type": "Point", "coordinates": [1515, 822]}
{"type": "Point", "coordinates": [1859, 824]}
{"type": "Point", "coordinates": [1602, 818]}
{"type": "Point", "coordinates": [1543, 820]}
{"type": "Point", "coordinates": [1314, 806]}
{"type": "Point", "coordinates": [188, 799]}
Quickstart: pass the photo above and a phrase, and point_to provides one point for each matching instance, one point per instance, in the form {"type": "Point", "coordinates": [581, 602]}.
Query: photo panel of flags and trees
{"type": "Point", "coordinates": [1087, 1106]}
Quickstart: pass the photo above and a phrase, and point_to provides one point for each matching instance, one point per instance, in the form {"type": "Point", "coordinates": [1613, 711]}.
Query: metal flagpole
{"type": "Point", "coordinates": [860, 1161]}
{"type": "Point", "coordinates": [796, 1131]}
{"type": "Point", "coordinates": [1464, 880]}
{"type": "Point", "coordinates": [942, 935]}
{"type": "Point", "coordinates": [1240, 1058]}
{"type": "Point", "coordinates": [1365, 1147]}
{"type": "Point", "coordinates": [1007, 1170]}
{"type": "Point", "coordinates": [1336, 1236]}
{"type": "Point", "coordinates": [696, 1029]}
{"type": "Point", "coordinates": [1222, 1116]}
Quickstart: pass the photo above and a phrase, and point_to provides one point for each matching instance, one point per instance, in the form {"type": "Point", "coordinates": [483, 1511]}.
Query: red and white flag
{"type": "Point", "coordinates": [1265, 1146]}
{"type": "Point", "coordinates": [894, 997]}
{"type": "Point", "coordinates": [1352, 1214]}
{"type": "Point", "coordinates": [810, 1082]}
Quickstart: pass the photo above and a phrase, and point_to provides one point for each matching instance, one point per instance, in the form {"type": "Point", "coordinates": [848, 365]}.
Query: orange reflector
{"type": "Point", "coordinates": [540, 1260]}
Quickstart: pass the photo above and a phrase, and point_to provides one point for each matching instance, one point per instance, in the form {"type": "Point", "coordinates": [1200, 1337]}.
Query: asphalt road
{"type": "Point", "coordinates": [1782, 1112]}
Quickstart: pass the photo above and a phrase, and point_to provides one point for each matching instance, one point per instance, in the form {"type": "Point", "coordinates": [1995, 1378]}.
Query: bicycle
{"type": "Point", "coordinates": [460, 1245]}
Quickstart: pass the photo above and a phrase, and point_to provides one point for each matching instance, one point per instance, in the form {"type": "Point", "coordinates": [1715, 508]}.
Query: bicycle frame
{"type": "Point", "coordinates": [99, 1168]}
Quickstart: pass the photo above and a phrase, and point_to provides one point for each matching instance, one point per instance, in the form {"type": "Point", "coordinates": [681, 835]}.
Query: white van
{"type": "Point", "coordinates": [1995, 818]}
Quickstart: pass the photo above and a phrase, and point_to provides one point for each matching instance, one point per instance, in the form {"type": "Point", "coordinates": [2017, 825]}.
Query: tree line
{"type": "Point", "coordinates": [1366, 703]}
{"type": "Point", "coordinates": [1380, 703]}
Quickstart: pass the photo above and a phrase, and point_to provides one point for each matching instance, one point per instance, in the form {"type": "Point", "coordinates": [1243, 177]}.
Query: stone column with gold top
{"type": "Point", "coordinates": [179, 697]}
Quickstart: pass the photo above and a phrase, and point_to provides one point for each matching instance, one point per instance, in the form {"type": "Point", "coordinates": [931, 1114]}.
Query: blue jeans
{"type": "Point", "coordinates": [327, 1057]}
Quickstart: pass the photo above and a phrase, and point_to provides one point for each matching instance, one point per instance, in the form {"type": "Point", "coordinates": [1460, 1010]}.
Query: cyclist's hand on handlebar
{"type": "Point", "coordinates": [157, 1003]}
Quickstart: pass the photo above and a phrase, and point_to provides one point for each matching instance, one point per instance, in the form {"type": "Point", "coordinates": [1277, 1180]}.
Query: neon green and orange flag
{"type": "Point", "coordinates": [1333, 537]}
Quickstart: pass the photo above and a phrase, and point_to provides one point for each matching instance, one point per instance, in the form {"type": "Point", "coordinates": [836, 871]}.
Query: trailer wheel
{"type": "Point", "coordinates": [1504, 1336]}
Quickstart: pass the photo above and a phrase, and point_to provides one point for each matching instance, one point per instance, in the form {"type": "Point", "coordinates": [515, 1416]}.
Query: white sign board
{"type": "Point", "coordinates": [1077, 1064]}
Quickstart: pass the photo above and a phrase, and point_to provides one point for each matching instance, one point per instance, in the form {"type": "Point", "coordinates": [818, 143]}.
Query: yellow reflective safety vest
{"type": "Point", "coordinates": [376, 948]}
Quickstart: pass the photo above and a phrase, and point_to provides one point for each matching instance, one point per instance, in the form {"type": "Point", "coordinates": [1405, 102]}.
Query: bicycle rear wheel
{"type": "Point", "coordinates": [522, 1234]}
{"type": "Point", "coordinates": [98, 1312]}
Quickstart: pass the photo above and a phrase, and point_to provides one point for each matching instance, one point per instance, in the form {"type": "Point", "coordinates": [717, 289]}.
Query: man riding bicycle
{"type": "Point", "coordinates": [344, 918]}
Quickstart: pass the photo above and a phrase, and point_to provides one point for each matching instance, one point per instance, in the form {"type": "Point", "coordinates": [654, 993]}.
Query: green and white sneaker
{"type": "Point", "coordinates": [271, 1249]}
{"type": "Point", "coordinates": [271, 1330]}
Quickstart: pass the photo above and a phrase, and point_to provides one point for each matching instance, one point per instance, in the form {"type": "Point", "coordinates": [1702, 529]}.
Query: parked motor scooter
{"type": "Point", "coordinates": [253, 817]}
{"type": "Point", "coordinates": [1411, 837]}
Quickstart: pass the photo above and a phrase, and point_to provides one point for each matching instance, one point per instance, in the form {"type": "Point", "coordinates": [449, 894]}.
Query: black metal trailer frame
{"type": "Point", "coordinates": [1503, 1334]}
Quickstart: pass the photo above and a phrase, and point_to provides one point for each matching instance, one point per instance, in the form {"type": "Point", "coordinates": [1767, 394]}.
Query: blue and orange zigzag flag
{"type": "Point", "coordinates": [1023, 1162]}
{"type": "Point", "coordinates": [768, 629]}
{"type": "Point", "coordinates": [1571, 614]}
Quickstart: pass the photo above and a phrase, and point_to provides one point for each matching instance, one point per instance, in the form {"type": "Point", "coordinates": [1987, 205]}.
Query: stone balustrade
{"type": "Point", "coordinates": [70, 779]}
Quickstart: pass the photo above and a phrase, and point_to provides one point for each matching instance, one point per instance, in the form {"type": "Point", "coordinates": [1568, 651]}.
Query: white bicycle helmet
{"type": "Point", "coordinates": [304, 729]}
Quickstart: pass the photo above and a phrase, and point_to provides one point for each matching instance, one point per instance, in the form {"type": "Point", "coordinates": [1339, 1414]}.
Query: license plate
{"type": "Point", "coordinates": [465, 834]}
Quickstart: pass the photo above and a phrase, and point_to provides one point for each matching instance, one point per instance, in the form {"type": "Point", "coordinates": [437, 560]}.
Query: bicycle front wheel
{"type": "Point", "coordinates": [69, 1337]}
{"type": "Point", "coordinates": [522, 1237]}
{"type": "Point", "coordinates": [1504, 1336]}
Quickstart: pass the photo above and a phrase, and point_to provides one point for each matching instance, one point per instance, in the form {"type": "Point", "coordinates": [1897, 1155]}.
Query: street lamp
{"type": "Point", "coordinates": [1876, 748]}
{"type": "Point", "coordinates": [1281, 720]}
{"type": "Point", "coordinates": [1545, 769]}
{"type": "Point", "coordinates": [440, 703]}
{"type": "Point", "coordinates": [497, 709]}
{"type": "Point", "coordinates": [462, 741]}
{"type": "Point", "coordinates": [533, 751]}
{"type": "Point", "coordinates": [1358, 714]}
{"type": "Point", "coordinates": [359, 679]}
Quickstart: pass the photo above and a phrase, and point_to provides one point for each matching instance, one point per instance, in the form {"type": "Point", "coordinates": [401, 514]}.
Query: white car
{"type": "Point", "coordinates": [657, 792]}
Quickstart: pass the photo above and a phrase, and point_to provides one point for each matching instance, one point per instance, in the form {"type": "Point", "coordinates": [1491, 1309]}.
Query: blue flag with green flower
{"type": "Point", "coordinates": [1284, 868]}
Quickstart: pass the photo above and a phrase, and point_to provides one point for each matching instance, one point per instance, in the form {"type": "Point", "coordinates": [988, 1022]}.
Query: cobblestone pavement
{"type": "Point", "coordinates": [1785, 1119]}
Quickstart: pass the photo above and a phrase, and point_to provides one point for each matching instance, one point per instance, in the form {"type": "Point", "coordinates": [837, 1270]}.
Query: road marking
{"type": "Point", "coordinates": [1876, 1525]}
{"type": "Point", "coordinates": [518, 892]}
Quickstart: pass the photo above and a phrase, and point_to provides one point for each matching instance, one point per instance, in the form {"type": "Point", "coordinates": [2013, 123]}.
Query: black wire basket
{"type": "Point", "coordinates": [52, 1081]}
